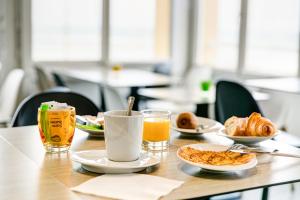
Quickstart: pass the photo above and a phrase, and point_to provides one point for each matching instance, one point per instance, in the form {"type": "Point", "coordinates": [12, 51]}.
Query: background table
{"type": "Point", "coordinates": [125, 78]}
{"type": "Point", "coordinates": [188, 95]}
{"type": "Point", "coordinates": [290, 85]}
{"type": "Point", "coordinates": [52, 174]}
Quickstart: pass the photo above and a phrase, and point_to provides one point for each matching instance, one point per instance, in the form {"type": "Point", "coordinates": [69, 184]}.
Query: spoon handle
{"type": "Point", "coordinates": [285, 154]}
{"type": "Point", "coordinates": [130, 104]}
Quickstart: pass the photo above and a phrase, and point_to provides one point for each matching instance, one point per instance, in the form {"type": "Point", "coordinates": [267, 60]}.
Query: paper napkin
{"type": "Point", "coordinates": [128, 186]}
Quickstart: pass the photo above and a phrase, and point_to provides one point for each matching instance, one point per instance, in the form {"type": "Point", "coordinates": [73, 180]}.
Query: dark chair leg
{"type": "Point", "coordinates": [265, 193]}
{"type": "Point", "coordinates": [202, 110]}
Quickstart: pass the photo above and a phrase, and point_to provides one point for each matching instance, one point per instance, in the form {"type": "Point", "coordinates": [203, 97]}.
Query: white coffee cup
{"type": "Point", "coordinates": [123, 135]}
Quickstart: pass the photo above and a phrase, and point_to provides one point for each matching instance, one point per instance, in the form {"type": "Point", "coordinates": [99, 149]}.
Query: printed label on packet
{"type": "Point", "coordinates": [58, 125]}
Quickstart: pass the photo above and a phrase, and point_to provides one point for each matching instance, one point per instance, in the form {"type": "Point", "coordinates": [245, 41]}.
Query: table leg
{"type": "Point", "coordinates": [102, 99]}
{"type": "Point", "coordinates": [202, 110]}
{"type": "Point", "coordinates": [265, 193]}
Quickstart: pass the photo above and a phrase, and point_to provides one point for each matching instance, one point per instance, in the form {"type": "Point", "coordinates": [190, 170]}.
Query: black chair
{"type": "Point", "coordinates": [26, 113]}
{"type": "Point", "coordinates": [233, 99]}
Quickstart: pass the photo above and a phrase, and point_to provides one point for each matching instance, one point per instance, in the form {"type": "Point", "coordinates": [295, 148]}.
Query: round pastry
{"type": "Point", "coordinates": [187, 120]}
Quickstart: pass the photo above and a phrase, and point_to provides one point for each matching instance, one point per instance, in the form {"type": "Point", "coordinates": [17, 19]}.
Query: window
{"type": "Point", "coordinates": [218, 33]}
{"type": "Point", "coordinates": [66, 30]}
{"type": "Point", "coordinates": [70, 30]}
{"type": "Point", "coordinates": [139, 30]}
{"type": "Point", "coordinates": [272, 37]}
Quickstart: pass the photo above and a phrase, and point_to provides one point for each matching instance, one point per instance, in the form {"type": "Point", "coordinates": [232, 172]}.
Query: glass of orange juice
{"type": "Point", "coordinates": [156, 134]}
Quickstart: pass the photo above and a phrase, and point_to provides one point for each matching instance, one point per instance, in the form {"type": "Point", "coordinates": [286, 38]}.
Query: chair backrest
{"type": "Point", "coordinates": [162, 68]}
{"type": "Point", "coordinates": [233, 99]}
{"type": "Point", "coordinates": [9, 92]}
{"type": "Point", "coordinates": [44, 80]}
{"type": "Point", "coordinates": [26, 113]}
{"type": "Point", "coordinates": [59, 80]}
{"type": "Point", "coordinates": [113, 99]}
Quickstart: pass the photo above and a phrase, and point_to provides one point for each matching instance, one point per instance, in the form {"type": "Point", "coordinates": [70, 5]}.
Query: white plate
{"type": "Point", "coordinates": [221, 168]}
{"type": "Point", "coordinates": [247, 139]}
{"type": "Point", "coordinates": [93, 133]}
{"type": "Point", "coordinates": [210, 124]}
{"type": "Point", "coordinates": [96, 161]}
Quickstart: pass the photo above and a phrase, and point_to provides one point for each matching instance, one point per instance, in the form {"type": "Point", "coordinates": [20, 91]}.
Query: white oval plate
{"type": "Point", "coordinates": [93, 133]}
{"type": "Point", "coordinates": [210, 124]}
{"type": "Point", "coordinates": [97, 161]}
{"type": "Point", "coordinates": [247, 139]}
{"type": "Point", "coordinates": [221, 168]}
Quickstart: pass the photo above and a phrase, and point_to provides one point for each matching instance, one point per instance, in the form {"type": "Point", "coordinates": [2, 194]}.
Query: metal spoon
{"type": "Point", "coordinates": [130, 105]}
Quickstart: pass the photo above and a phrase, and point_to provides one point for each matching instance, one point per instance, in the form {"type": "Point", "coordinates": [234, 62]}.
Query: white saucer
{"type": "Point", "coordinates": [209, 124]}
{"type": "Point", "coordinates": [248, 139]}
{"type": "Point", "coordinates": [221, 168]}
{"type": "Point", "coordinates": [96, 161]}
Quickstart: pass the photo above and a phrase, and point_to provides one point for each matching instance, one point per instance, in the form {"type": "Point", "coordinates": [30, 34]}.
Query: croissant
{"type": "Point", "coordinates": [255, 125]}
{"type": "Point", "coordinates": [259, 126]}
{"type": "Point", "coordinates": [187, 120]}
{"type": "Point", "coordinates": [235, 126]}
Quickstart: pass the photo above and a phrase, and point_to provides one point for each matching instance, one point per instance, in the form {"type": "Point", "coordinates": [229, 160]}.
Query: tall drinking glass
{"type": "Point", "coordinates": [156, 134]}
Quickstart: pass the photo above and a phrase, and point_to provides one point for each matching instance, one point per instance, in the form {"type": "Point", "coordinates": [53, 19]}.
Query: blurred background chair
{"type": "Point", "coordinates": [112, 98]}
{"type": "Point", "coordinates": [44, 80]}
{"type": "Point", "coordinates": [26, 114]}
{"type": "Point", "coordinates": [233, 99]}
{"type": "Point", "coordinates": [9, 94]}
{"type": "Point", "coordinates": [59, 80]}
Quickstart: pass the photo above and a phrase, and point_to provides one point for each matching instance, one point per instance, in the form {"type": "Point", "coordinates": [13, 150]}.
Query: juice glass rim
{"type": "Point", "coordinates": [156, 113]}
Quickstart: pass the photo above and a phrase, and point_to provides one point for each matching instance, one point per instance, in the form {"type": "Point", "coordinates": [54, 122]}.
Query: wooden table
{"type": "Point", "coordinates": [27, 172]}
{"type": "Point", "coordinates": [125, 78]}
{"type": "Point", "coordinates": [290, 85]}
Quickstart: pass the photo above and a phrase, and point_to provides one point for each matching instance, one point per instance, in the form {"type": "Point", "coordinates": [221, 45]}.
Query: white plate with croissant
{"type": "Point", "coordinates": [188, 124]}
{"type": "Point", "coordinates": [249, 130]}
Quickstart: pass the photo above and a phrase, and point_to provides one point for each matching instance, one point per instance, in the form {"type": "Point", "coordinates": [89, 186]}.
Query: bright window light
{"type": "Point", "coordinates": [139, 30]}
{"type": "Point", "coordinates": [273, 37]}
{"type": "Point", "coordinates": [66, 30]}
{"type": "Point", "coordinates": [218, 33]}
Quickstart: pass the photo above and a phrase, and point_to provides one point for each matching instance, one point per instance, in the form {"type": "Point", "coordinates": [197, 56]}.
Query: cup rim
{"type": "Point", "coordinates": [60, 109]}
{"type": "Point", "coordinates": [109, 114]}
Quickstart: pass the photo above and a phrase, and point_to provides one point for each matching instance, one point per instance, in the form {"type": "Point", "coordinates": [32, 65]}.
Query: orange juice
{"type": "Point", "coordinates": [156, 129]}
